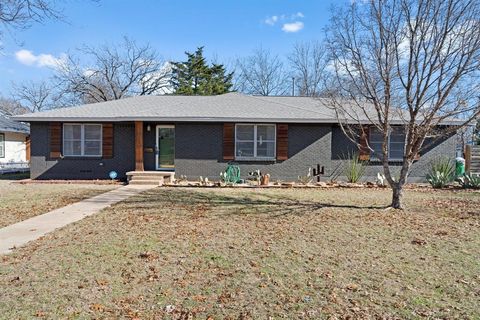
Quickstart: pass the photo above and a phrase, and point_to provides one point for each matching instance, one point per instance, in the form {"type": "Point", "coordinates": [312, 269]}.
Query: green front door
{"type": "Point", "coordinates": [165, 147]}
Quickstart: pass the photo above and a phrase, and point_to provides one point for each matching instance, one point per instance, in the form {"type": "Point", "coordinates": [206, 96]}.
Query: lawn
{"type": "Point", "coordinates": [255, 254]}
{"type": "Point", "coordinates": [22, 201]}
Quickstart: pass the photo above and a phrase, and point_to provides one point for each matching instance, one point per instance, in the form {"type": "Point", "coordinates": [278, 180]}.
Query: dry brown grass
{"type": "Point", "coordinates": [255, 254]}
{"type": "Point", "coordinates": [22, 201]}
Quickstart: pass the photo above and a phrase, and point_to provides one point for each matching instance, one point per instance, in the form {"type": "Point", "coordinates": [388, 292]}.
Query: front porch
{"type": "Point", "coordinates": [154, 149]}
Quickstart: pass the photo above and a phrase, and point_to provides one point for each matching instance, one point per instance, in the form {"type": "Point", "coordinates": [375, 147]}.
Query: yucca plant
{"type": "Point", "coordinates": [441, 173]}
{"type": "Point", "coordinates": [354, 167]}
{"type": "Point", "coordinates": [469, 181]}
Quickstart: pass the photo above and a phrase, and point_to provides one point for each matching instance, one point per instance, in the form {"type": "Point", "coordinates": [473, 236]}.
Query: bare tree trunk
{"type": "Point", "coordinates": [397, 196]}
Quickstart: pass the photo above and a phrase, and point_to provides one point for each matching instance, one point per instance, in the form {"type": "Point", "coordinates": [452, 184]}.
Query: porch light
{"type": "Point", "coordinates": [148, 128]}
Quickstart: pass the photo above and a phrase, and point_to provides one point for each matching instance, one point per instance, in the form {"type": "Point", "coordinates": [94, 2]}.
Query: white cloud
{"type": "Point", "coordinates": [28, 58]}
{"type": "Point", "coordinates": [290, 22]}
{"type": "Point", "coordinates": [293, 27]}
{"type": "Point", "coordinates": [271, 20]}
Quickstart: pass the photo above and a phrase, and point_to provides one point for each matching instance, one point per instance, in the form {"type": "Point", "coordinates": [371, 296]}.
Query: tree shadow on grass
{"type": "Point", "coordinates": [275, 205]}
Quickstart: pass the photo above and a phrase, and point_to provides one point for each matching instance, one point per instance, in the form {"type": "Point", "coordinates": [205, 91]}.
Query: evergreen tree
{"type": "Point", "coordinates": [196, 77]}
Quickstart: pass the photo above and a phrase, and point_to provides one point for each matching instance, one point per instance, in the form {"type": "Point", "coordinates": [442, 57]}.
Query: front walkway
{"type": "Point", "coordinates": [20, 233]}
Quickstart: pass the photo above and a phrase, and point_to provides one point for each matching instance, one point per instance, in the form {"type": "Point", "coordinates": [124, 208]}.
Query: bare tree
{"type": "Point", "coordinates": [20, 14]}
{"type": "Point", "coordinates": [413, 63]}
{"type": "Point", "coordinates": [308, 61]}
{"type": "Point", "coordinates": [38, 96]}
{"type": "Point", "coordinates": [11, 107]}
{"type": "Point", "coordinates": [261, 73]}
{"type": "Point", "coordinates": [116, 72]}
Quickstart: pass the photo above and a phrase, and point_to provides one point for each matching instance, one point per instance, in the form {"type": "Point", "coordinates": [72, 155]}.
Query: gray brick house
{"type": "Point", "coordinates": [198, 135]}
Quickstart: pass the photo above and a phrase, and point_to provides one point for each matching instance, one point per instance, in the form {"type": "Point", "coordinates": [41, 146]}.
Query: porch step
{"type": "Point", "coordinates": [158, 182]}
{"type": "Point", "coordinates": [150, 177]}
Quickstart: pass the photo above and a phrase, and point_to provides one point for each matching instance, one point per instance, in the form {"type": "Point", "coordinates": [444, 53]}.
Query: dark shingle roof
{"type": "Point", "coordinates": [229, 107]}
{"type": "Point", "coordinates": [9, 125]}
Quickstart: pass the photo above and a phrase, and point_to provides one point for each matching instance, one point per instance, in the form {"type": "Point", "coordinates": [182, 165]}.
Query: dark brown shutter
{"type": "Point", "coordinates": [282, 141]}
{"type": "Point", "coordinates": [228, 141]}
{"type": "Point", "coordinates": [364, 151]}
{"type": "Point", "coordinates": [27, 148]}
{"type": "Point", "coordinates": [55, 140]}
{"type": "Point", "coordinates": [107, 140]}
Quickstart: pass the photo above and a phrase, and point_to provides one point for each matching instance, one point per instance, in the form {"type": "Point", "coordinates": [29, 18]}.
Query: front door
{"type": "Point", "coordinates": [165, 147]}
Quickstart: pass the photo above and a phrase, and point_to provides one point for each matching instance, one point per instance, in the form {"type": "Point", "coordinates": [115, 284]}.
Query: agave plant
{"type": "Point", "coordinates": [469, 181]}
{"type": "Point", "coordinates": [354, 167]}
{"type": "Point", "coordinates": [441, 173]}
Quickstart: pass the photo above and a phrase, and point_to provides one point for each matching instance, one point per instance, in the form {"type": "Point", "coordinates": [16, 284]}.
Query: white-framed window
{"type": "Point", "coordinates": [2, 145]}
{"type": "Point", "coordinates": [255, 141]}
{"type": "Point", "coordinates": [396, 143]}
{"type": "Point", "coordinates": [84, 140]}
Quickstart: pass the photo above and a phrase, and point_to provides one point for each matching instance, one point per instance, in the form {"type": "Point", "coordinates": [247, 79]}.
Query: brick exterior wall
{"type": "Point", "coordinates": [198, 152]}
{"type": "Point", "coordinates": [42, 167]}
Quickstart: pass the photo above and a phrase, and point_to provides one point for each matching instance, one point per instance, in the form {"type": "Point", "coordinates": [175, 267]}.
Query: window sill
{"type": "Point", "coordinates": [82, 157]}
{"type": "Point", "coordinates": [253, 159]}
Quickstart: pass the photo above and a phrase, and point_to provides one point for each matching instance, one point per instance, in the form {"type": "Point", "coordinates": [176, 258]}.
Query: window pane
{"type": "Point", "coordinates": [93, 132]}
{"type": "Point", "coordinates": [244, 132]}
{"type": "Point", "coordinates": [2, 146]}
{"type": "Point", "coordinates": [92, 148]}
{"type": "Point", "coordinates": [72, 131]}
{"type": "Point", "coordinates": [245, 149]}
{"type": "Point", "coordinates": [266, 149]}
{"type": "Point", "coordinates": [396, 154]}
{"type": "Point", "coordinates": [265, 132]}
{"type": "Point", "coordinates": [377, 149]}
{"type": "Point", "coordinates": [72, 148]}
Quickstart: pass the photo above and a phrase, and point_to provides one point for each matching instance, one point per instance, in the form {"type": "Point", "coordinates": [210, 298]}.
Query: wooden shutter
{"type": "Point", "coordinates": [55, 140]}
{"type": "Point", "coordinates": [282, 141]}
{"type": "Point", "coordinates": [27, 148]}
{"type": "Point", "coordinates": [364, 151]}
{"type": "Point", "coordinates": [107, 140]}
{"type": "Point", "coordinates": [228, 141]}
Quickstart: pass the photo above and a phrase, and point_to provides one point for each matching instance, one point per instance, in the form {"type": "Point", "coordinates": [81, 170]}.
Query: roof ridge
{"type": "Point", "coordinates": [287, 105]}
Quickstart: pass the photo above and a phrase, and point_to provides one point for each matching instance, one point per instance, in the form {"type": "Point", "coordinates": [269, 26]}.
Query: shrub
{"type": "Point", "coordinates": [441, 173]}
{"type": "Point", "coordinates": [354, 168]}
{"type": "Point", "coordinates": [469, 181]}
{"type": "Point", "coordinates": [306, 179]}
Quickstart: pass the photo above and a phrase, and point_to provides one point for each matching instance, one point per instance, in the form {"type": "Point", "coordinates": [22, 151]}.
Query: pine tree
{"type": "Point", "coordinates": [196, 77]}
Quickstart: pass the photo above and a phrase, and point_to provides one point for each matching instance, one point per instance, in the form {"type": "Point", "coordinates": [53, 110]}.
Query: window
{"type": "Point", "coordinates": [396, 143]}
{"type": "Point", "coordinates": [255, 141]}
{"type": "Point", "coordinates": [2, 145]}
{"type": "Point", "coordinates": [82, 140]}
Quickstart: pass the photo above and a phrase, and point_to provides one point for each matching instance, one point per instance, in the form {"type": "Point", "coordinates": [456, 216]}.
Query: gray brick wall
{"type": "Point", "coordinates": [445, 147]}
{"type": "Point", "coordinates": [41, 167]}
{"type": "Point", "coordinates": [199, 153]}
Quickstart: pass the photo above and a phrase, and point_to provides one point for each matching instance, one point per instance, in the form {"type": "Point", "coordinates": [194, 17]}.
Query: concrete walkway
{"type": "Point", "coordinates": [20, 233]}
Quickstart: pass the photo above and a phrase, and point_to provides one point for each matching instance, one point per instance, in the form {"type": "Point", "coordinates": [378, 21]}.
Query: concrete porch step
{"type": "Point", "coordinates": [146, 182]}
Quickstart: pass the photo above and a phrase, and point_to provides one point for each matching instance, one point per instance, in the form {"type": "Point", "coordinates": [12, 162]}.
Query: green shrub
{"type": "Point", "coordinates": [441, 172]}
{"type": "Point", "coordinates": [354, 168]}
{"type": "Point", "coordinates": [469, 181]}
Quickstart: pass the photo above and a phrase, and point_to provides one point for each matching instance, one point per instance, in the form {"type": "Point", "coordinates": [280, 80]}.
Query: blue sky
{"type": "Point", "coordinates": [227, 28]}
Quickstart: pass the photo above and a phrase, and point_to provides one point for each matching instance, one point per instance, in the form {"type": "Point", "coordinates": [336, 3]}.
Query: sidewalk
{"type": "Point", "coordinates": [20, 233]}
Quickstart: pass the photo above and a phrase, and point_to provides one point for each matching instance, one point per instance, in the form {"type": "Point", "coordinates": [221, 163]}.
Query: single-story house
{"type": "Point", "coordinates": [199, 135]}
{"type": "Point", "coordinates": [14, 144]}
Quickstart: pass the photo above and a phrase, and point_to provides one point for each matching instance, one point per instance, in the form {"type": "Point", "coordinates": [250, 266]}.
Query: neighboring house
{"type": "Point", "coordinates": [14, 144]}
{"type": "Point", "coordinates": [198, 135]}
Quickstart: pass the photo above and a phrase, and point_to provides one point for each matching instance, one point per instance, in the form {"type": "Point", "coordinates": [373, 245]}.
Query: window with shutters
{"type": "Point", "coordinates": [396, 143]}
{"type": "Point", "coordinates": [2, 145]}
{"type": "Point", "coordinates": [255, 141]}
{"type": "Point", "coordinates": [83, 140]}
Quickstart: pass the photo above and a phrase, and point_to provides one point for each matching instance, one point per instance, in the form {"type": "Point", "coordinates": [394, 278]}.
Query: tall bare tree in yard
{"type": "Point", "coordinates": [417, 61]}
{"type": "Point", "coordinates": [115, 72]}
{"type": "Point", "coordinates": [262, 74]}
{"type": "Point", "coordinates": [38, 96]}
{"type": "Point", "coordinates": [308, 61]}
{"type": "Point", "coordinates": [20, 14]}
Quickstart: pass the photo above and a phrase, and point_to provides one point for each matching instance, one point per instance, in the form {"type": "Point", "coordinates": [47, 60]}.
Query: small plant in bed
{"type": "Point", "coordinates": [441, 173]}
{"type": "Point", "coordinates": [469, 181]}
{"type": "Point", "coordinates": [354, 167]}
